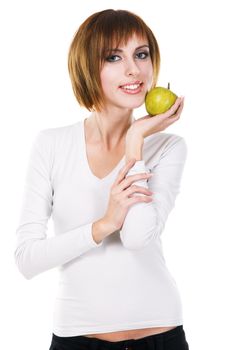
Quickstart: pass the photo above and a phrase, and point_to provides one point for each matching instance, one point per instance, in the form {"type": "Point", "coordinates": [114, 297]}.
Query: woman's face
{"type": "Point", "coordinates": [127, 74]}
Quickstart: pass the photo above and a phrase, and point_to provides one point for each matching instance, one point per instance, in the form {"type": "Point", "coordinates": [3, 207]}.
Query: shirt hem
{"type": "Point", "coordinates": [115, 328]}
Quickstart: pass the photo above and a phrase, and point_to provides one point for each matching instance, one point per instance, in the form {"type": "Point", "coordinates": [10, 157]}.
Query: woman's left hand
{"type": "Point", "coordinates": [148, 125]}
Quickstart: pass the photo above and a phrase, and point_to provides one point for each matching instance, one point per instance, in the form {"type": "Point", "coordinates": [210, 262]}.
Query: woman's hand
{"type": "Point", "coordinates": [146, 126]}
{"type": "Point", "coordinates": [121, 197]}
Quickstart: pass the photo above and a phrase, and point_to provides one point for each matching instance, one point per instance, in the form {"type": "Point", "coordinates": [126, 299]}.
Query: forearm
{"type": "Point", "coordinates": [146, 221]}
{"type": "Point", "coordinates": [40, 254]}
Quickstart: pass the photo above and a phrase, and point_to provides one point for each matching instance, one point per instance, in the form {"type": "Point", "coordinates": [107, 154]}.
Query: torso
{"type": "Point", "coordinates": [101, 164]}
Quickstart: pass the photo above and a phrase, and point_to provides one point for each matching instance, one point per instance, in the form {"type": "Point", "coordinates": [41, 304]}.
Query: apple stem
{"type": "Point", "coordinates": [168, 86]}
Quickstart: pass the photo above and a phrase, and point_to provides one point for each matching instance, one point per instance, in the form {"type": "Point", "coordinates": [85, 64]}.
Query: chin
{"type": "Point", "coordinates": [135, 105]}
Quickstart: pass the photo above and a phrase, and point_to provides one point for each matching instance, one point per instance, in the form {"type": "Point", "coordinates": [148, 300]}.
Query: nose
{"type": "Point", "coordinates": [131, 68]}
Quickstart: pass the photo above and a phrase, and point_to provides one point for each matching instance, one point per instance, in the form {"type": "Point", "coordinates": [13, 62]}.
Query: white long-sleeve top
{"type": "Point", "coordinates": [123, 282]}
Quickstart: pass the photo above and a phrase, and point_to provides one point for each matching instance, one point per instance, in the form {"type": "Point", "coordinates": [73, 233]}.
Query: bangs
{"type": "Point", "coordinates": [118, 38]}
{"type": "Point", "coordinates": [115, 28]}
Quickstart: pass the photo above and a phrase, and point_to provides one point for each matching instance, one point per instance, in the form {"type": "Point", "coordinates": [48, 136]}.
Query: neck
{"type": "Point", "coordinates": [110, 129]}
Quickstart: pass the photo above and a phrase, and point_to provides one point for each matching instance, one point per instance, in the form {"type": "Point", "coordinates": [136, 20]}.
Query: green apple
{"type": "Point", "coordinates": [159, 99]}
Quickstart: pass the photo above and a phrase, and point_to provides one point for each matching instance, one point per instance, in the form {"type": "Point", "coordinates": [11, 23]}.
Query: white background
{"type": "Point", "coordinates": [36, 93]}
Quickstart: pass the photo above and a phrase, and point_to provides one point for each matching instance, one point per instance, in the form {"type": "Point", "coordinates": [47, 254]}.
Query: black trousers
{"type": "Point", "coordinates": [173, 339]}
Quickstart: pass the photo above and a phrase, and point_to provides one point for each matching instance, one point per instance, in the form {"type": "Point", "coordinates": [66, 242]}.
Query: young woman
{"type": "Point", "coordinates": [109, 182]}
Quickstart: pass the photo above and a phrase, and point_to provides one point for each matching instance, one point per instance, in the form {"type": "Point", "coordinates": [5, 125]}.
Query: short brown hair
{"type": "Point", "coordinates": [96, 34]}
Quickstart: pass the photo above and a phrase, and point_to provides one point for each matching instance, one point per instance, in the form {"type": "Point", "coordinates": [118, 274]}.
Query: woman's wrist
{"type": "Point", "coordinates": [134, 146]}
{"type": "Point", "coordinates": [100, 230]}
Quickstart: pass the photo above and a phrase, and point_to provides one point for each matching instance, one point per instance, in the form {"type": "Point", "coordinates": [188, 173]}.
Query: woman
{"type": "Point", "coordinates": [109, 182]}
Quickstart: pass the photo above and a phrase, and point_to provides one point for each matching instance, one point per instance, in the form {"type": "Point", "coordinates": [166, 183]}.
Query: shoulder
{"type": "Point", "coordinates": [57, 136]}
{"type": "Point", "coordinates": [59, 132]}
{"type": "Point", "coordinates": [50, 141]}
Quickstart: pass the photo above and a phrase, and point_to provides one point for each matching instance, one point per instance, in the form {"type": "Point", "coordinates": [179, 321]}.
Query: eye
{"type": "Point", "coordinates": [142, 55]}
{"type": "Point", "coordinates": [113, 58]}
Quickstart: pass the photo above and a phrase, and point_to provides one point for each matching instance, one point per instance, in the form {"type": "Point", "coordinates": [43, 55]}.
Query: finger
{"type": "Point", "coordinates": [137, 189]}
{"type": "Point", "coordinates": [180, 107]}
{"type": "Point", "coordinates": [123, 171]}
{"type": "Point", "coordinates": [128, 181]}
{"type": "Point", "coordinates": [137, 199]}
{"type": "Point", "coordinates": [176, 107]}
{"type": "Point", "coordinates": [172, 109]}
{"type": "Point", "coordinates": [178, 111]}
{"type": "Point", "coordinates": [173, 118]}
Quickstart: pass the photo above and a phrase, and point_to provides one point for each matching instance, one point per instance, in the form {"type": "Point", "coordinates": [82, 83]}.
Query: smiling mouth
{"type": "Point", "coordinates": [131, 87]}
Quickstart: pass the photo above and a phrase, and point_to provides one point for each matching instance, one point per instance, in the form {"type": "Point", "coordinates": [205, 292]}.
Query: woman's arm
{"type": "Point", "coordinates": [34, 252]}
{"type": "Point", "coordinates": [145, 221]}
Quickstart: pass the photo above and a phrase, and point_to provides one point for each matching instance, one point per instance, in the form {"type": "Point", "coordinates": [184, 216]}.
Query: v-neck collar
{"type": "Point", "coordinates": [112, 173]}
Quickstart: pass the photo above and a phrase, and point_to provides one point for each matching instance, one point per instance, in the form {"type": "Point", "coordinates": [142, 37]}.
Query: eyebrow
{"type": "Point", "coordinates": [119, 50]}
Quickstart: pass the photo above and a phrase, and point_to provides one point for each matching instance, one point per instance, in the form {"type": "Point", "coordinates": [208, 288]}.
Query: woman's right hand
{"type": "Point", "coordinates": [120, 196]}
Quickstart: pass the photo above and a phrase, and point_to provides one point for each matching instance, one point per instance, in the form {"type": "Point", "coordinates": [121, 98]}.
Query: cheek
{"type": "Point", "coordinates": [108, 79]}
{"type": "Point", "coordinates": [149, 75]}
{"type": "Point", "coordinates": [149, 70]}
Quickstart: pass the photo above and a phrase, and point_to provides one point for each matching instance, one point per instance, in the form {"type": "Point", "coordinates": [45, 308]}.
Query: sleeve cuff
{"type": "Point", "coordinates": [89, 238]}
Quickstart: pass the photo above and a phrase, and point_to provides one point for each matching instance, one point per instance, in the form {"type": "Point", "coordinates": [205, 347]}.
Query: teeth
{"type": "Point", "coordinates": [131, 87]}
